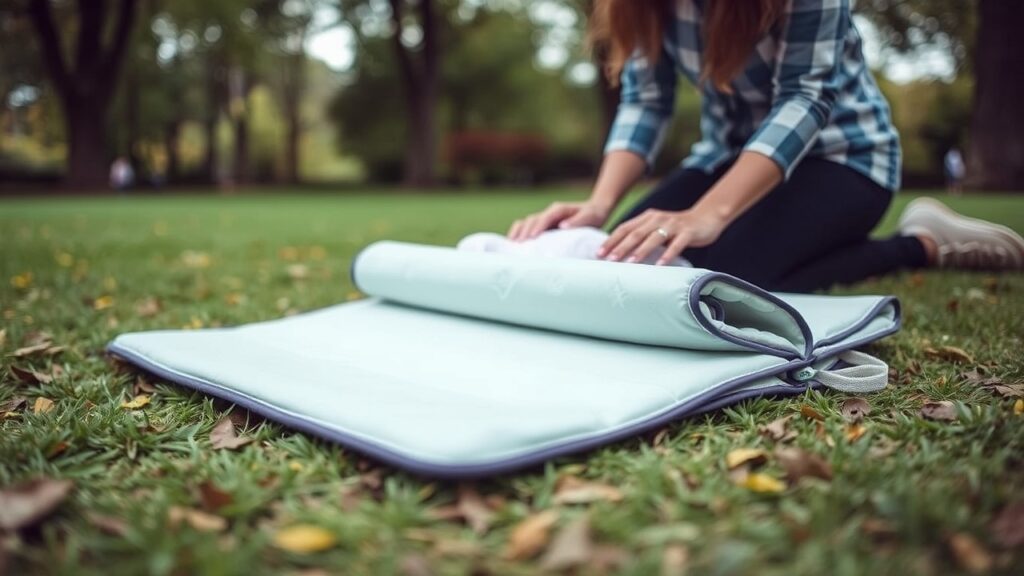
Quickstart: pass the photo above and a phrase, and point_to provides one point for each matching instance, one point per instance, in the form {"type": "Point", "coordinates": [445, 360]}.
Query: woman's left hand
{"type": "Point", "coordinates": [634, 240]}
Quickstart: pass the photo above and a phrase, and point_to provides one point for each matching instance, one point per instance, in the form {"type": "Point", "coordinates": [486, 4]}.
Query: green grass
{"type": "Point", "coordinates": [899, 494]}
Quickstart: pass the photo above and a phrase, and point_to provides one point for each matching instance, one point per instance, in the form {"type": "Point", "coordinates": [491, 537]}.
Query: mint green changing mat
{"type": "Point", "coordinates": [471, 364]}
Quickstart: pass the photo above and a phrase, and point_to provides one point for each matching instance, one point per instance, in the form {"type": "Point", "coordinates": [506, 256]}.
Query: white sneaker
{"type": "Point", "coordinates": [963, 242]}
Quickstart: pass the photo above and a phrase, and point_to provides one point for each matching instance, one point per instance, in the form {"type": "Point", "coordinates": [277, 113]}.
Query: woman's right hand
{"type": "Point", "coordinates": [560, 215]}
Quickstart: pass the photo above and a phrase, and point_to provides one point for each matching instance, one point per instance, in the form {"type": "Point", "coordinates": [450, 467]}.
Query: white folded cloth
{"type": "Point", "coordinates": [581, 243]}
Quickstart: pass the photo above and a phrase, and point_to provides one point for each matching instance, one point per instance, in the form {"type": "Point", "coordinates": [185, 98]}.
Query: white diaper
{"type": "Point", "coordinates": [580, 243]}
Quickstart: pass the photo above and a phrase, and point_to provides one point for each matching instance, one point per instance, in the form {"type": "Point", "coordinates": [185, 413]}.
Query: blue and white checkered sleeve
{"type": "Point", "coordinates": [645, 108]}
{"type": "Point", "coordinates": [806, 80]}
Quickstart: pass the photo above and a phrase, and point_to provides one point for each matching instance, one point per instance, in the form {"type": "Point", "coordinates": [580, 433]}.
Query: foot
{"type": "Point", "coordinates": [959, 241]}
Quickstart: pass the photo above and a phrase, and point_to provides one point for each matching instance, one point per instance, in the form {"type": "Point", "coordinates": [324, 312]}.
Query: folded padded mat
{"type": "Point", "coordinates": [471, 364]}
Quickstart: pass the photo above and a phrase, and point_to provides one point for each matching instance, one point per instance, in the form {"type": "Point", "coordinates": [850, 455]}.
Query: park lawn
{"type": "Point", "coordinates": [909, 496]}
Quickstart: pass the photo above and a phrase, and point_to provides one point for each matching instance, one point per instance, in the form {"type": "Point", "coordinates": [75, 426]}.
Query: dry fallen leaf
{"type": "Point", "coordinates": [855, 409]}
{"type": "Point", "coordinates": [38, 343]}
{"type": "Point", "coordinates": [473, 509]}
{"type": "Point", "coordinates": [22, 281]}
{"type": "Point", "coordinates": [457, 548]}
{"type": "Point", "coordinates": [223, 436]}
{"type": "Point", "coordinates": [778, 429]}
{"type": "Point", "coordinates": [147, 307]}
{"type": "Point", "coordinates": [8, 406]}
{"type": "Point", "coordinates": [855, 431]}
{"type": "Point", "coordinates": [103, 302]}
{"type": "Point", "coordinates": [197, 519]}
{"type": "Point", "coordinates": [27, 503]}
{"type": "Point", "coordinates": [574, 490]}
{"type": "Point", "coordinates": [141, 386]}
{"type": "Point", "coordinates": [1007, 390]}
{"type": "Point", "coordinates": [57, 449]}
{"type": "Point", "coordinates": [878, 528]}
{"type": "Point", "coordinates": [107, 524]}
{"type": "Point", "coordinates": [530, 535]}
{"type": "Point", "coordinates": [762, 483]}
{"type": "Point", "coordinates": [304, 539]}
{"type": "Point", "coordinates": [1008, 527]}
{"type": "Point", "coordinates": [42, 405]}
{"type": "Point", "coordinates": [194, 259]}
{"type": "Point", "coordinates": [740, 456]}
{"type": "Point", "coordinates": [288, 253]}
{"type": "Point", "coordinates": [415, 565]}
{"type": "Point", "coordinates": [943, 410]}
{"type": "Point", "coordinates": [799, 463]}
{"type": "Point", "coordinates": [32, 349]}
{"type": "Point", "coordinates": [213, 498]}
{"type": "Point", "coordinates": [234, 298]}
{"type": "Point", "coordinates": [950, 354]}
{"type": "Point", "coordinates": [571, 547]}
{"type": "Point", "coordinates": [1018, 407]}
{"type": "Point", "coordinates": [608, 559]}
{"type": "Point", "coordinates": [811, 414]}
{"type": "Point", "coordinates": [470, 508]}
{"type": "Point", "coordinates": [995, 384]}
{"type": "Point", "coordinates": [674, 560]}
{"type": "Point", "coordinates": [978, 375]}
{"type": "Point", "coordinates": [31, 376]}
{"type": "Point", "coordinates": [298, 271]}
{"type": "Point", "coordinates": [135, 403]}
{"type": "Point", "coordinates": [970, 554]}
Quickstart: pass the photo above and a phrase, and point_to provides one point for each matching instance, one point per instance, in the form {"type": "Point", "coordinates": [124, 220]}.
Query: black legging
{"type": "Point", "coordinates": [807, 234]}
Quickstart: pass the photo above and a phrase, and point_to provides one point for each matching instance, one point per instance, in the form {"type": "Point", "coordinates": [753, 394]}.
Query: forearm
{"type": "Point", "coordinates": [620, 170]}
{"type": "Point", "coordinates": [751, 178]}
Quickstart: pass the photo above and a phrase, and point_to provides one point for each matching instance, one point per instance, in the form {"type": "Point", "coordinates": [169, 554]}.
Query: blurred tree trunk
{"type": "Point", "coordinates": [421, 79]}
{"type": "Point", "coordinates": [294, 87]}
{"type": "Point", "coordinates": [996, 152]}
{"type": "Point", "coordinates": [239, 86]}
{"type": "Point", "coordinates": [214, 98]}
{"type": "Point", "coordinates": [172, 128]}
{"type": "Point", "coordinates": [132, 121]}
{"type": "Point", "coordinates": [172, 137]}
{"type": "Point", "coordinates": [86, 87]}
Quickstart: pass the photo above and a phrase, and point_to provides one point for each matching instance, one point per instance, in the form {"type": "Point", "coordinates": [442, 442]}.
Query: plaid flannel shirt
{"type": "Point", "coordinates": [805, 90]}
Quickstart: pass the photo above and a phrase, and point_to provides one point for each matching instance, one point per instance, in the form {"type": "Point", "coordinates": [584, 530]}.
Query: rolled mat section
{"type": "Point", "coordinates": [688, 308]}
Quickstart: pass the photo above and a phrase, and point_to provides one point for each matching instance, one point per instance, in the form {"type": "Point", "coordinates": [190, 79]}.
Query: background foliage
{"type": "Point", "coordinates": [227, 92]}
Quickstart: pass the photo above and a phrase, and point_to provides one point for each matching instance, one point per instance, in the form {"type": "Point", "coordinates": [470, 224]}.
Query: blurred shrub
{"type": "Point", "coordinates": [931, 116]}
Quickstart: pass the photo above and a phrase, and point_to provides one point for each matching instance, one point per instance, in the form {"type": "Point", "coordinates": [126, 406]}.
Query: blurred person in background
{"type": "Point", "coordinates": [953, 163]}
{"type": "Point", "coordinates": [122, 175]}
{"type": "Point", "coordinates": [798, 158]}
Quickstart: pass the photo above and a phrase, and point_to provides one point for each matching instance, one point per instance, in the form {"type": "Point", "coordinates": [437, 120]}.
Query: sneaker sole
{"type": "Point", "coordinates": [969, 223]}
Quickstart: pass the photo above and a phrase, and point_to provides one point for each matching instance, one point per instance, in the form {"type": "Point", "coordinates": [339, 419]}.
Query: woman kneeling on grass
{"type": "Point", "coordinates": [798, 158]}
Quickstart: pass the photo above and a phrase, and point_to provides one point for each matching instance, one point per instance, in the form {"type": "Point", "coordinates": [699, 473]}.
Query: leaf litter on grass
{"type": "Point", "coordinates": [530, 535]}
{"type": "Point", "coordinates": [855, 409]}
{"type": "Point", "coordinates": [138, 402]}
{"type": "Point", "coordinates": [939, 410]}
{"type": "Point", "coordinates": [574, 490]}
{"type": "Point", "coordinates": [223, 436]}
{"type": "Point", "coordinates": [713, 507]}
{"type": "Point", "coordinates": [28, 503]}
{"type": "Point", "coordinates": [304, 539]}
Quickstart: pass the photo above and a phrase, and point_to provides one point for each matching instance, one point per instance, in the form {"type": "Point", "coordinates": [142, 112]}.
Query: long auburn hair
{"type": "Point", "coordinates": [731, 30]}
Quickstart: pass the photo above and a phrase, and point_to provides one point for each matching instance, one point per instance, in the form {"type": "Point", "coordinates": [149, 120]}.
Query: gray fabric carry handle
{"type": "Point", "coordinates": [865, 373]}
